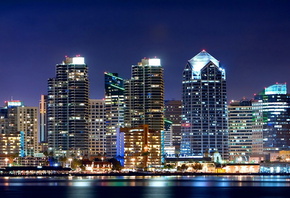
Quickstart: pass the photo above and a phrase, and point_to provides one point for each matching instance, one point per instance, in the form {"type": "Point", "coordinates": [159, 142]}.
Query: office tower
{"type": "Point", "coordinates": [240, 115]}
{"type": "Point", "coordinates": [67, 108]}
{"type": "Point", "coordinates": [144, 105]}
{"type": "Point", "coordinates": [272, 117]}
{"type": "Point", "coordinates": [43, 119]}
{"type": "Point", "coordinates": [114, 99]}
{"type": "Point", "coordinates": [97, 127]}
{"type": "Point", "coordinates": [173, 113]}
{"type": "Point", "coordinates": [204, 125]}
{"type": "Point", "coordinates": [167, 138]}
{"type": "Point", "coordinates": [167, 133]}
{"type": "Point", "coordinates": [19, 127]}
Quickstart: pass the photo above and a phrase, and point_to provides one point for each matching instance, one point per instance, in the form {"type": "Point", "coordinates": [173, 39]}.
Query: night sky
{"type": "Point", "coordinates": [250, 38]}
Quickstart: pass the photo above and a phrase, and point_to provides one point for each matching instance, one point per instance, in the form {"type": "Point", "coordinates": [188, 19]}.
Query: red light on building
{"type": "Point", "coordinates": [186, 125]}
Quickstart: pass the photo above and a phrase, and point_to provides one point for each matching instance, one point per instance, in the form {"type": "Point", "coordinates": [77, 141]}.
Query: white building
{"type": "Point", "coordinates": [97, 127]}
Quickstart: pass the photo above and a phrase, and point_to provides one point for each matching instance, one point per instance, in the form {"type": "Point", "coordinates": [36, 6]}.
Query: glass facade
{"type": "Point", "coordinates": [67, 107]}
{"type": "Point", "coordinates": [173, 114]}
{"type": "Point", "coordinates": [114, 102]}
{"type": "Point", "coordinates": [204, 125]}
{"type": "Point", "coordinates": [272, 113]}
{"type": "Point", "coordinates": [144, 104]}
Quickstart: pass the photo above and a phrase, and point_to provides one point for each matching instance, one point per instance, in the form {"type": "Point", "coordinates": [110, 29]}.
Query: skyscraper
{"type": "Point", "coordinates": [240, 130]}
{"type": "Point", "coordinates": [97, 127]}
{"type": "Point", "coordinates": [173, 113]}
{"type": "Point", "coordinates": [19, 126]}
{"type": "Point", "coordinates": [144, 105]}
{"type": "Point", "coordinates": [204, 107]}
{"type": "Point", "coordinates": [271, 110]}
{"type": "Point", "coordinates": [67, 108]}
{"type": "Point", "coordinates": [43, 119]}
{"type": "Point", "coordinates": [114, 101]}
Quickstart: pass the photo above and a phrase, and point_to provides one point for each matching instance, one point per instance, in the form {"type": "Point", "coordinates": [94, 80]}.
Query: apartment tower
{"type": "Point", "coordinates": [144, 105]}
{"type": "Point", "coordinates": [67, 107]}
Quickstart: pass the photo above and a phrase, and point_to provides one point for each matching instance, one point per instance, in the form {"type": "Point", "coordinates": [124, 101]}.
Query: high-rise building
{"type": "Point", "coordinates": [114, 99]}
{"type": "Point", "coordinates": [28, 127]}
{"type": "Point", "coordinates": [271, 110]}
{"type": "Point", "coordinates": [10, 135]}
{"type": "Point", "coordinates": [204, 125]}
{"type": "Point", "coordinates": [173, 114]}
{"type": "Point", "coordinates": [67, 107]}
{"type": "Point", "coordinates": [167, 139]}
{"type": "Point", "coordinates": [43, 119]}
{"type": "Point", "coordinates": [19, 127]}
{"type": "Point", "coordinates": [97, 127]}
{"type": "Point", "coordinates": [167, 133]}
{"type": "Point", "coordinates": [144, 105]}
{"type": "Point", "coordinates": [240, 130]}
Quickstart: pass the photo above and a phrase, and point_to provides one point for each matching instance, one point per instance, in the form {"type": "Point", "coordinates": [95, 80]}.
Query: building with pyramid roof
{"type": "Point", "coordinates": [204, 107]}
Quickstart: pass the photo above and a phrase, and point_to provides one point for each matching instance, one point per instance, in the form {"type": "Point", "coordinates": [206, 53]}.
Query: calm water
{"type": "Point", "coordinates": [146, 186]}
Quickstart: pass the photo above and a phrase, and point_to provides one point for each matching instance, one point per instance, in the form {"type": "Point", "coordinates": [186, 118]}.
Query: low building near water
{"type": "Point", "coordinates": [242, 168]}
{"type": "Point", "coordinates": [35, 170]}
{"type": "Point", "coordinates": [275, 167]}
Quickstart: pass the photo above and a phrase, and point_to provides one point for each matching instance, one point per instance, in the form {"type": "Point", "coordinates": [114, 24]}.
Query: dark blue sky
{"type": "Point", "coordinates": [250, 38]}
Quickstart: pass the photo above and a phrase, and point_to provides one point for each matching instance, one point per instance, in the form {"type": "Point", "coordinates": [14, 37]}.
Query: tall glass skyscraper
{"type": "Point", "coordinates": [272, 117]}
{"type": "Point", "coordinates": [204, 107]}
{"type": "Point", "coordinates": [114, 102]}
{"type": "Point", "coordinates": [67, 107]}
{"type": "Point", "coordinates": [144, 105]}
{"type": "Point", "coordinates": [173, 114]}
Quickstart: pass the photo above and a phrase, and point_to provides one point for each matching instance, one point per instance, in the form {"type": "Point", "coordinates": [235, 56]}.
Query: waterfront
{"type": "Point", "coordinates": [146, 186]}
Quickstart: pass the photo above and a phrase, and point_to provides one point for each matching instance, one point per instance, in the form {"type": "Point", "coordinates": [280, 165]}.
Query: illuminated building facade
{"type": "Point", "coordinates": [97, 127]}
{"type": "Point", "coordinates": [173, 114]}
{"type": "Point", "coordinates": [137, 146]}
{"type": "Point", "coordinates": [9, 136]}
{"type": "Point", "coordinates": [166, 139]}
{"type": "Point", "coordinates": [240, 115]}
{"type": "Point", "coordinates": [272, 116]}
{"type": "Point", "coordinates": [67, 107]}
{"type": "Point", "coordinates": [204, 125]}
{"type": "Point", "coordinates": [43, 119]}
{"type": "Point", "coordinates": [19, 127]}
{"type": "Point", "coordinates": [114, 99]}
{"type": "Point", "coordinates": [28, 127]}
{"type": "Point", "coordinates": [144, 104]}
{"type": "Point", "coordinates": [167, 133]}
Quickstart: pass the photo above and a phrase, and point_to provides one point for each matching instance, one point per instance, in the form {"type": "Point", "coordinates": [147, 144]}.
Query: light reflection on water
{"type": "Point", "coordinates": [150, 181]}
{"type": "Point", "coordinates": [145, 186]}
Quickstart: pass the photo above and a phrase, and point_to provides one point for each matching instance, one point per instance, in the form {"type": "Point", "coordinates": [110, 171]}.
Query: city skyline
{"type": "Point", "coordinates": [250, 39]}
